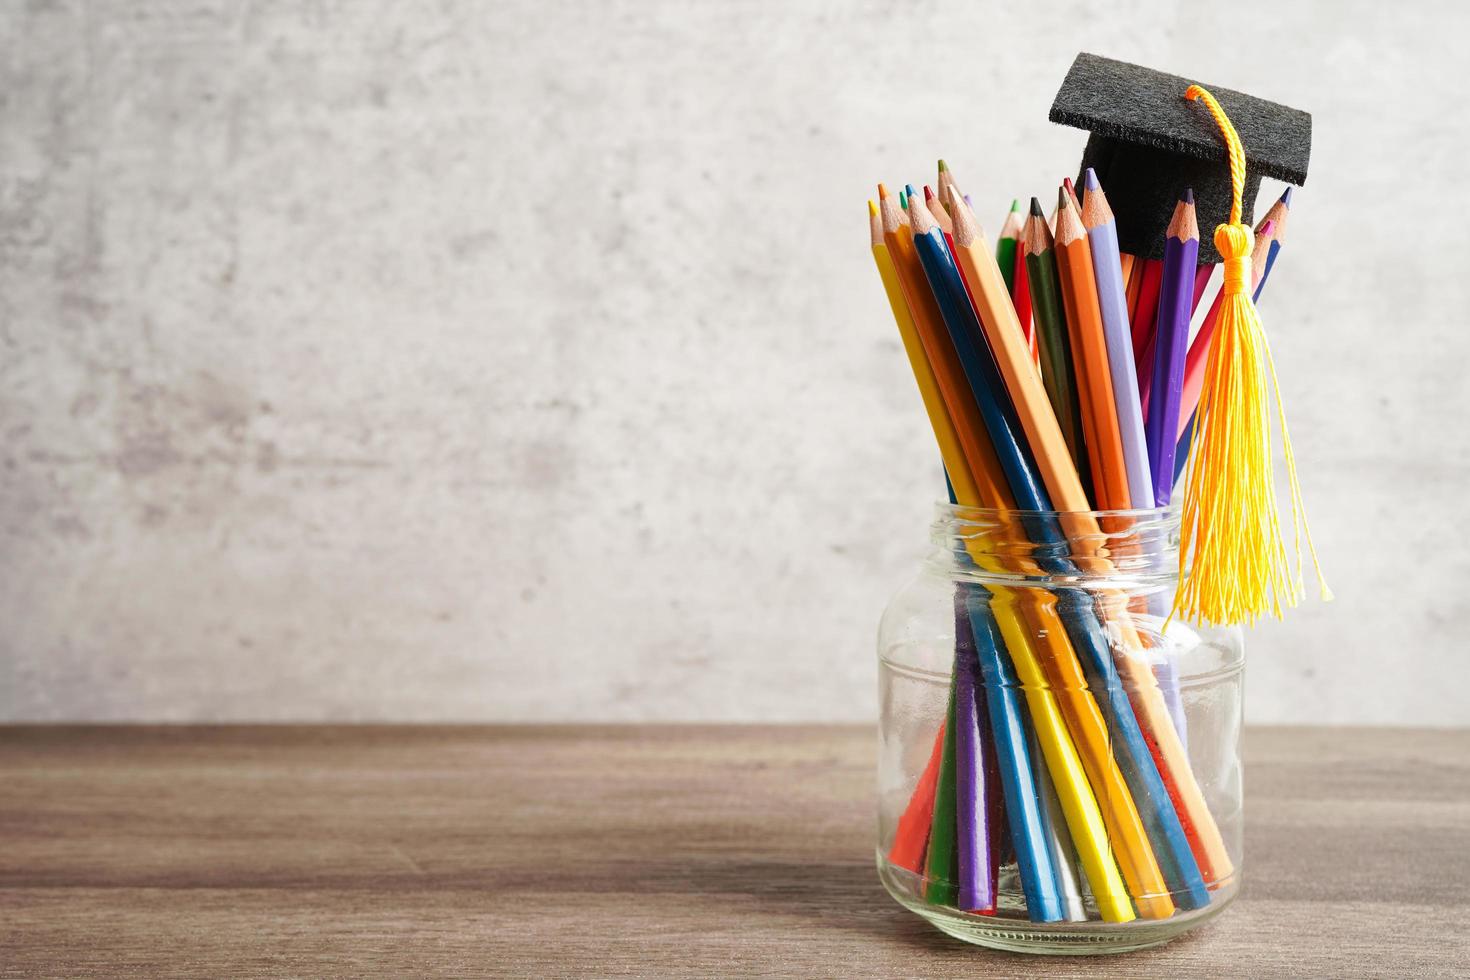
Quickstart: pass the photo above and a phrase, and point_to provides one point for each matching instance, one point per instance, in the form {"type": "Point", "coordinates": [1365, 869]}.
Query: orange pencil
{"type": "Point", "coordinates": [1090, 355]}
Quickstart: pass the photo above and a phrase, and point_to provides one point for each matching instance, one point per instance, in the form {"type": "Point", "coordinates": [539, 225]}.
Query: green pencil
{"type": "Point", "coordinates": [941, 871]}
{"type": "Point", "coordinates": [1005, 246]}
{"type": "Point", "coordinates": [1051, 335]}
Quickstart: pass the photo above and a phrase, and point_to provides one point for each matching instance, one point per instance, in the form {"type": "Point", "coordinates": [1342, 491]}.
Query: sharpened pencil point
{"type": "Point", "coordinates": [968, 201]}
{"type": "Point", "coordinates": [903, 200]}
{"type": "Point", "coordinates": [928, 194]}
{"type": "Point", "coordinates": [909, 190]}
{"type": "Point", "coordinates": [1089, 179]}
{"type": "Point", "coordinates": [1188, 196]}
{"type": "Point", "coordinates": [943, 166]}
{"type": "Point", "coordinates": [1015, 203]}
{"type": "Point", "coordinates": [1064, 200]}
{"type": "Point", "coordinates": [1286, 197]}
{"type": "Point", "coordinates": [882, 193]}
{"type": "Point", "coordinates": [1036, 208]}
{"type": "Point", "coordinates": [872, 208]}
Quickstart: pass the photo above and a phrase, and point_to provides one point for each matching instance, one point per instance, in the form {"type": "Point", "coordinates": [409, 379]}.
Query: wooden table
{"type": "Point", "coordinates": [627, 851]}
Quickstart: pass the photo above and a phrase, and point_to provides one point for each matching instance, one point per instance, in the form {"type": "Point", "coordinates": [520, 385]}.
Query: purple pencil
{"type": "Point", "coordinates": [1176, 302]}
{"type": "Point", "coordinates": [977, 783]}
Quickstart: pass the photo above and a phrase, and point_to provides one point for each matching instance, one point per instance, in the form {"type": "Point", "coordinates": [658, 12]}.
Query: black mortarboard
{"type": "Point", "coordinates": [1149, 143]}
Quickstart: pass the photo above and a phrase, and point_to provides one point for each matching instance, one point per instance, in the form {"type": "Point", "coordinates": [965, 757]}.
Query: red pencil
{"type": "Point", "coordinates": [1150, 278]}
{"type": "Point", "coordinates": [1021, 300]}
{"type": "Point", "coordinates": [912, 836]}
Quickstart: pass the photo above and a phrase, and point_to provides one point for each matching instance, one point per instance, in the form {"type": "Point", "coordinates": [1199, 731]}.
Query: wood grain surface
{"type": "Point", "coordinates": [643, 851]}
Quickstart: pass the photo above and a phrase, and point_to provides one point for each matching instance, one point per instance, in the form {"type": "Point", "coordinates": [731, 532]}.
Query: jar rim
{"type": "Point", "coordinates": [1167, 514]}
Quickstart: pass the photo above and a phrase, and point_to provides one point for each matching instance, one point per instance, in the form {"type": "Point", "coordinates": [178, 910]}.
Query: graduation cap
{"type": "Point", "coordinates": [1148, 144]}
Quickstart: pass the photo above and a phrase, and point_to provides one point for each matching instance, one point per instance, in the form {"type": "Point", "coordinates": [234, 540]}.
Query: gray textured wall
{"type": "Point", "coordinates": [461, 360]}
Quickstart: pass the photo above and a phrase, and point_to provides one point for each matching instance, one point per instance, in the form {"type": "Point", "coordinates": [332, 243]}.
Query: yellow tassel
{"type": "Point", "coordinates": [1230, 523]}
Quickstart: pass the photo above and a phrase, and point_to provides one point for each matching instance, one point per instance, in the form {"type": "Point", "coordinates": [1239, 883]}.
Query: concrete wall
{"type": "Point", "coordinates": [462, 360]}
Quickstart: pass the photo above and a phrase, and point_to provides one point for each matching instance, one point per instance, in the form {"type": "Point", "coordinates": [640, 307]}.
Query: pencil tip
{"type": "Point", "coordinates": [1188, 196]}
{"type": "Point", "coordinates": [882, 193]}
{"type": "Point", "coordinates": [967, 200]}
{"type": "Point", "coordinates": [1089, 179]}
{"type": "Point", "coordinates": [1015, 203]}
{"type": "Point", "coordinates": [872, 208]}
{"type": "Point", "coordinates": [903, 200]}
{"type": "Point", "coordinates": [1064, 200]}
{"type": "Point", "coordinates": [928, 193]}
{"type": "Point", "coordinates": [909, 190]}
{"type": "Point", "coordinates": [942, 165]}
{"type": "Point", "coordinates": [1036, 208]}
{"type": "Point", "coordinates": [1286, 197]}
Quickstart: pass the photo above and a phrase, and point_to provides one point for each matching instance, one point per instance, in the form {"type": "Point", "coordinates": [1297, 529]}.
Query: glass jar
{"type": "Point", "coordinates": [1059, 766]}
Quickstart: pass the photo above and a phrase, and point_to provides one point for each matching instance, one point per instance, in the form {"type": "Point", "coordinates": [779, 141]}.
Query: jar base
{"type": "Point", "coordinates": [1060, 939]}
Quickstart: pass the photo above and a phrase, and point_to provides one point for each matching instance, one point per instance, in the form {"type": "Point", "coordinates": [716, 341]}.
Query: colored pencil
{"type": "Point", "coordinates": [977, 787]}
{"type": "Point", "coordinates": [1150, 272]}
{"type": "Point", "coordinates": [946, 184]}
{"type": "Point", "coordinates": [1021, 300]}
{"type": "Point", "coordinates": [1150, 347]}
{"type": "Point", "coordinates": [958, 472]}
{"type": "Point", "coordinates": [1134, 285]}
{"type": "Point", "coordinates": [1102, 238]}
{"type": "Point", "coordinates": [1007, 344]}
{"type": "Point", "coordinates": [1090, 360]}
{"type": "Point", "coordinates": [1042, 881]}
{"type": "Point", "coordinates": [940, 856]}
{"type": "Point", "coordinates": [911, 838]}
{"type": "Point", "coordinates": [1071, 193]}
{"type": "Point", "coordinates": [1005, 246]}
{"type": "Point", "coordinates": [940, 215]}
{"type": "Point", "coordinates": [1171, 334]}
{"type": "Point", "coordinates": [1201, 280]}
{"type": "Point", "coordinates": [1058, 840]}
{"type": "Point", "coordinates": [1053, 345]}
